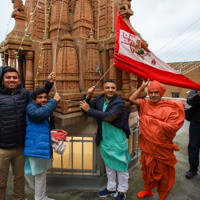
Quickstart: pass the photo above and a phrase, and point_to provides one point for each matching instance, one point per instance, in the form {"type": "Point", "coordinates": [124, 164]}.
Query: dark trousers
{"type": "Point", "coordinates": [194, 145]}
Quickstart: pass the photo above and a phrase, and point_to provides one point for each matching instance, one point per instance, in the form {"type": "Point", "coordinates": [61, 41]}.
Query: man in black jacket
{"type": "Point", "coordinates": [13, 101]}
{"type": "Point", "coordinates": [194, 134]}
{"type": "Point", "coordinates": [110, 111]}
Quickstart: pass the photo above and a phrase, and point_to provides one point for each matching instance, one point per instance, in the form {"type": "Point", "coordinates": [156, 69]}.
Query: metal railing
{"type": "Point", "coordinates": [72, 170]}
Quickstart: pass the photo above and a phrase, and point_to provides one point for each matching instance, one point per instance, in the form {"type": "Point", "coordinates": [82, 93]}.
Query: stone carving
{"type": "Point", "coordinates": [18, 5]}
{"type": "Point", "coordinates": [83, 49]}
{"type": "Point", "coordinates": [83, 19]}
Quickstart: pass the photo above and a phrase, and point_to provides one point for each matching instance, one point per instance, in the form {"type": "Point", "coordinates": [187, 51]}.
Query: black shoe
{"type": "Point", "coordinates": [190, 174]}
{"type": "Point", "coordinates": [121, 196]}
{"type": "Point", "coordinates": [106, 193]}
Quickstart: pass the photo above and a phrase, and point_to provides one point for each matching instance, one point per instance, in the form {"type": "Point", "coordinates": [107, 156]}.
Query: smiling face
{"type": "Point", "coordinates": [154, 96]}
{"type": "Point", "coordinates": [41, 99]}
{"type": "Point", "coordinates": [11, 81]}
{"type": "Point", "coordinates": [109, 90]}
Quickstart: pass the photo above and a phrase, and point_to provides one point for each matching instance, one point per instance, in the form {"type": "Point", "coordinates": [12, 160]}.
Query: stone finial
{"type": "Point", "coordinates": [91, 34]}
{"type": "Point", "coordinates": [125, 9]}
{"type": "Point", "coordinates": [91, 37]}
{"type": "Point", "coordinates": [18, 6]}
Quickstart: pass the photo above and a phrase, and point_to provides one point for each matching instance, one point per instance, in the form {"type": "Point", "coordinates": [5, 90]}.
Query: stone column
{"type": "Point", "coordinates": [134, 82]}
{"type": "Point", "coordinates": [112, 72]}
{"type": "Point", "coordinates": [11, 55]}
{"type": "Point", "coordinates": [29, 84]}
{"type": "Point", "coordinates": [20, 67]}
{"type": "Point", "coordinates": [3, 59]}
{"type": "Point", "coordinates": [6, 60]}
{"type": "Point", "coordinates": [91, 75]}
{"type": "Point", "coordinates": [125, 83]}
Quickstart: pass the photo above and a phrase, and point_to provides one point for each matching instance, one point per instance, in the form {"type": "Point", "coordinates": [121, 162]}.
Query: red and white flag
{"type": "Point", "coordinates": [132, 55]}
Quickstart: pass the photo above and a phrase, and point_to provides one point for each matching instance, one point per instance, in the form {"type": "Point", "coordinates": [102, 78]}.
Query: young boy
{"type": "Point", "coordinates": [38, 141]}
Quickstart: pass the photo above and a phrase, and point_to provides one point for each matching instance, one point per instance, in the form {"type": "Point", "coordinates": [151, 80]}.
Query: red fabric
{"type": "Point", "coordinates": [58, 134]}
{"type": "Point", "coordinates": [157, 174]}
{"type": "Point", "coordinates": [144, 193]}
{"type": "Point", "coordinates": [156, 70]}
{"type": "Point", "coordinates": [157, 86]}
{"type": "Point", "coordinates": [159, 123]}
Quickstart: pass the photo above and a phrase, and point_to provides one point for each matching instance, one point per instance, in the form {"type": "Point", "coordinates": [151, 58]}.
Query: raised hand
{"type": "Point", "coordinates": [90, 92]}
{"type": "Point", "coordinates": [57, 97]}
{"type": "Point", "coordinates": [52, 77]}
{"type": "Point", "coordinates": [145, 83]}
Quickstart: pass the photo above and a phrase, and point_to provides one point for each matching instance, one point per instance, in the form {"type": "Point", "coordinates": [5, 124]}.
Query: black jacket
{"type": "Point", "coordinates": [115, 114]}
{"type": "Point", "coordinates": [12, 115]}
{"type": "Point", "coordinates": [194, 101]}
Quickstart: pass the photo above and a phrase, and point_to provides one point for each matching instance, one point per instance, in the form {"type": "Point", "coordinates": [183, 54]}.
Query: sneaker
{"type": "Point", "coordinates": [106, 193]}
{"type": "Point", "coordinates": [190, 174]}
{"type": "Point", "coordinates": [144, 193]}
{"type": "Point", "coordinates": [121, 196]}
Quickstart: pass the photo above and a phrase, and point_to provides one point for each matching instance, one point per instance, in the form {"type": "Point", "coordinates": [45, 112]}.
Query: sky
{"type": "Point", "coordinates": [170, 27]}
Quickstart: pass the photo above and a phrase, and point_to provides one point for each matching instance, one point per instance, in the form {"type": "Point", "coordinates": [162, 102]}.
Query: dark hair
{"type": "Point", "coordinates": [109, 81]}
{"type": "Point", "coordinates": [5, 69]}
{"type": "Point", "coordinates": [38, 91]}
{"type": "Point", "coordinates": [9, 69]}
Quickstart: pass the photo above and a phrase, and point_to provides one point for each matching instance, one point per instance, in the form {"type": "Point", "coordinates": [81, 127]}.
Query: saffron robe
{"type": "Point", "coordinates": [159, 123]}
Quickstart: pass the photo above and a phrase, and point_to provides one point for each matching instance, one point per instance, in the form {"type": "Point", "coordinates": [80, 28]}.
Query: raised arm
{"type": "Point", "coordinates": [38, 114]}
{"type": "Point", "coordinates": [49, 83]}
{"type": "Point", "coordinates": [134, 97]}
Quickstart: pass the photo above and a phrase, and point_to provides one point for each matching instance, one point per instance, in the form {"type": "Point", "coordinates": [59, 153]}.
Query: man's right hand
{"type": "Point", "coordinates": [90, 92]}
{"type": "Point", "coordinates": [57, 97]}
{"type": "Point", "coordinates": [84, 105]}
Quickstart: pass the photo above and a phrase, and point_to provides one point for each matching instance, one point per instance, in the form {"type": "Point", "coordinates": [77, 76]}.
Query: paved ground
{"type": "Point", "coordinates": [183, 188]}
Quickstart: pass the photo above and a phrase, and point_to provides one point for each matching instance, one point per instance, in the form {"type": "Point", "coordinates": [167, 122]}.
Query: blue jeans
{"type": "Point", "coordinates": [194, 145]}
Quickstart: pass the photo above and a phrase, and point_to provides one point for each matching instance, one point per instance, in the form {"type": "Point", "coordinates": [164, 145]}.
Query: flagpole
{"type": "Point", "coordinates": [104, 74]}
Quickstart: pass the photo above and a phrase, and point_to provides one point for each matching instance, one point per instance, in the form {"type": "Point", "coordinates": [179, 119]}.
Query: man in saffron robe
{"type": "Point", "coordinates": [159, 122]}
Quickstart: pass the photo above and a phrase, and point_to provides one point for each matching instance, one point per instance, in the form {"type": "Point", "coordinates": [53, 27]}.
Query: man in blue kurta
{"type": "Point", "coordinates": [113, 129]}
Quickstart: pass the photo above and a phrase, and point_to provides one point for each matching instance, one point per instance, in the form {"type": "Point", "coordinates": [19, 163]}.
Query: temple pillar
{"type": "Point", "coordinates": [67, 71]}
{"type": "Point", "coordinates": [46, 64]}
{"type": "Point", "coordinates": [29, 84]}
{"type": "Point", "coordinates": [112, 72]}
{"type": "Point", "coordinates": [6, 60]}
{"type": "Point", "coordinates": [11, 55]}
{"type": "Point", "coordinates": [93, 70]}
{"type": "Point", "coordinates": [20, 67]}
{"type": "Point", "coordinates": [3, 59]}
{"type": "Point", "coordinates": [126, 83]}
{"type": "Point", "coordinates": [133, 83]}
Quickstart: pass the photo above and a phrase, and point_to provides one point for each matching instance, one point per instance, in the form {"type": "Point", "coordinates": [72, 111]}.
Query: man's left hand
{"type": "Point", "coordinates": [85, 106]}
{"type": "Point", "coordinates": [52, 77]}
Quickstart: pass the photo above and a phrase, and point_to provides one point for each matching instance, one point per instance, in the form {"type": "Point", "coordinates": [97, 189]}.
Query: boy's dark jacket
{"type": "Point", "coordinates": [115, 114]}
{"type": "Point", "coordinates": [12, 114]}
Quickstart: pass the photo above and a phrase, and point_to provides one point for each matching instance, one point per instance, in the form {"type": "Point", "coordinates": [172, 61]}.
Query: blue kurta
{"type": "Point", "coordinates": [113, 146]}
{"type": "Point", "coordinates": [36, 165]}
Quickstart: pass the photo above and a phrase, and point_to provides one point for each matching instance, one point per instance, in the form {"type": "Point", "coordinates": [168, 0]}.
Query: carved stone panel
{"type": "Point", "coordinates": [83, 19]}
{"type": "Point", "coordinates": [67, 66]}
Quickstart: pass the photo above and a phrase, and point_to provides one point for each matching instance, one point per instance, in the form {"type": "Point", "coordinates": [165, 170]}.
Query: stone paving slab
{"type": "Point", "coordinates": [183, 188]}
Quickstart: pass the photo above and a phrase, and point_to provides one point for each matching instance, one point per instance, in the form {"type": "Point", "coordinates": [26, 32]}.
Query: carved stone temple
{"type": "Point", "coordinates": [75, 39]}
